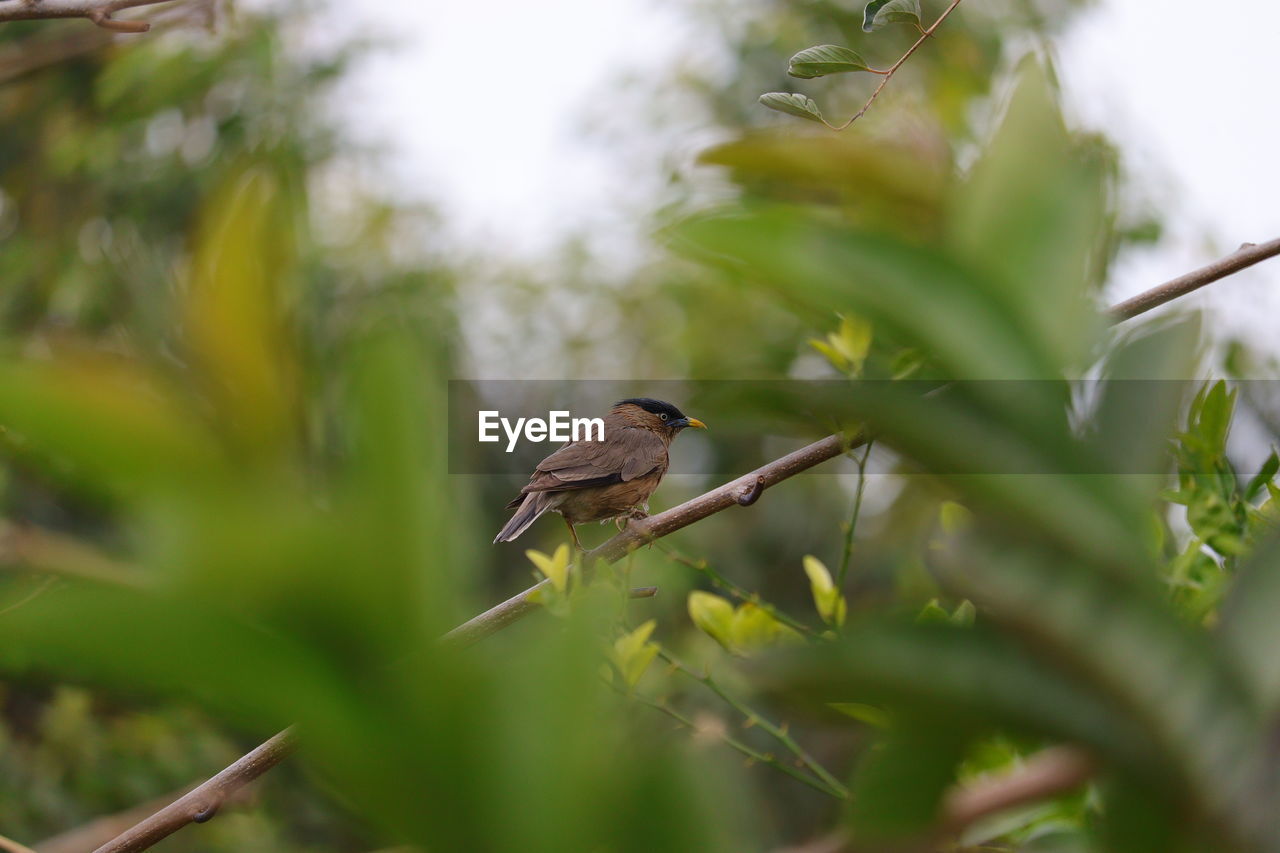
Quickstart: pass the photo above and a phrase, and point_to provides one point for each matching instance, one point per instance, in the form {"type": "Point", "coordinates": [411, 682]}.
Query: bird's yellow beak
{"type": "Point", "coordinates": [696, 424]}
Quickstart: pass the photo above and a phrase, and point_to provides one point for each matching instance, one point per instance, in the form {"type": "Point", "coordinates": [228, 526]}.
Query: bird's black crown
{"type": "Point", "coordinates": [657, 407]}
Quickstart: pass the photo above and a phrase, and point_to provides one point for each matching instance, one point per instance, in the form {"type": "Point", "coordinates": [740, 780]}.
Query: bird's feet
{"type": "Point", "coordinates": [636, 513]}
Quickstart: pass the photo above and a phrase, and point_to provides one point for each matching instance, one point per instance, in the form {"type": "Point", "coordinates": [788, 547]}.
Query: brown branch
{"type": "Point", "coordinates": [97, 832]}
{"type": "Point", "coordinates": [638, 533]}
{"type": "Point", "coordinates": [8, 845]}
{"type": "Point", "coordinates": [1048, 773]}
{"type": "Point", "coordinates": [1243, 258]}
{"type": "Point", "coordinates": [53, 47]}
{"type": "Point", "coordinates": [101, 12]}
{"type": "Point", "coordinates": [203, 802]}
{"type": "Point", "coordinates": [1033, 781]}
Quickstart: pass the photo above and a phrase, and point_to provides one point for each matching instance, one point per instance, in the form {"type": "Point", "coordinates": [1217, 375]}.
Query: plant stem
{"type": "Point", "coordinates": [847, 552]}
{"type": "Point", "coordinates": [722, 583]}
{"type": "Point", "coordinates": [924, 36]}
{"type": "Point", "coordinates": [754, 718]}
{"type": "Point", "coordinates": [752, 754]}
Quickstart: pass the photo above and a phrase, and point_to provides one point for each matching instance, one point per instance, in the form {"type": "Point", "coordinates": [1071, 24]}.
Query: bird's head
{"type": "Point", "coordinates": [656, 415]}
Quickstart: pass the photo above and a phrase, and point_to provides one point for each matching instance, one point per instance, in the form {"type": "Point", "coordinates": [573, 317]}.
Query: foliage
{"type": "Point", "coordinates": [224, 437]}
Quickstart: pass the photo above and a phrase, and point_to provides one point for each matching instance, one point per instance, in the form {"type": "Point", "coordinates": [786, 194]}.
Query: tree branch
{"type": "Point", "coordinates": [1243, 258]}
{"type": "Point", "coordinates": [101, 830]}
{"type": "Point", "coordinates": [1035, 780]}
{"type": "Point", "coordinates": [1051, 771]}
{"type": "Point", "coordinates": [638, 533]}
{"type": "Point", "coordinates": [203, 802]}
{"type": "Point", "coordinates": [98, 11]}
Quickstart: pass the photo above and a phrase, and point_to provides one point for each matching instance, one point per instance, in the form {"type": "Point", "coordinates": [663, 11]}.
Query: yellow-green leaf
{"type": "Point", "coordinates": [713, 615]}
{"type": "Point", "coordinates": [827, 599]}
{"type": "Point", "coordinates": [554, 568]}
{"type": "Point", "coordinates": [632, 652]}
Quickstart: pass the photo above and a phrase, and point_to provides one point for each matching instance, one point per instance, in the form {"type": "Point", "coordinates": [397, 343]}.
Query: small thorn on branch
{"type": "Point", "coordinates": [751, 493]}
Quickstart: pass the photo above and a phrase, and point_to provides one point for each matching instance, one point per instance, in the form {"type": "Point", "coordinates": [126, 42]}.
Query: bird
{"type": "Point", "coordinates": [602, 479]}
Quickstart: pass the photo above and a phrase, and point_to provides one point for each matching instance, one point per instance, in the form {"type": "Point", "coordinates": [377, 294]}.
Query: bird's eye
{"type": "Point", "coordinates": [662, 415]}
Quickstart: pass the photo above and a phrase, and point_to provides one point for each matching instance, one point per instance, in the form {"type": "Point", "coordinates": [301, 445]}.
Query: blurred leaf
{"type": "Point", "coordinates": [869, 714]}
{"type": "Point", "coordinates": [1116, 634]}
{"type": "Point", "coordinates": [1265, 475]}
{"type": "Point", "coordinates": [898, 787]}
{"type": "Point", "coordinates": [632, 652]}
{"type": "Point", "coordinates": [555, 567]}
{"type": "Point", "coordinates": [1140, 394]}
{"type": "Point", "coordinates": [1250, 628]}
{"type": "Point", "coordinates": [879, 13]}
{"type": "Point", "coordinates": [792, 104]}
{"type": "Point", "coordinates": [142, 434]}
{"type": "Point", "coordinates": [235, 310]}
{"type": "Point", "coordinates": [825, 59]}
{"type": "Point", "coordinates": [962, 678]}
{"type": "Point", "coordinates": [753, 628]}
{"type": "Point", "coordinates": [827, 599]}
{"type": "Point", "coordinates": [1029, 221]}
{"type": "Point", "coordinates": [713, 615]}
{"type": "Point", "coordinates": [914, 294]}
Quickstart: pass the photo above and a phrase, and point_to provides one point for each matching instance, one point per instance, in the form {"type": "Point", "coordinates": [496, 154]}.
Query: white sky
{"type": "Point", "coordinates": [480, 111]}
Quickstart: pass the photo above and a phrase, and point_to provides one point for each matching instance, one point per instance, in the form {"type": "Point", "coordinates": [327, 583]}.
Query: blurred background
{"type": "Point", "coordinates": [406, 193]}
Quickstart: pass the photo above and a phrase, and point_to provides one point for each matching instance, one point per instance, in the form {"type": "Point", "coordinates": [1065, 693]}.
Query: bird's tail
{"type": "Point", "coordinates": [533, 505]}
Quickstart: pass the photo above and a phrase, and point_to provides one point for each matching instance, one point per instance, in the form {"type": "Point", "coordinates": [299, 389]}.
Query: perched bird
{"type": "Point", "coordinates": [596, 480]}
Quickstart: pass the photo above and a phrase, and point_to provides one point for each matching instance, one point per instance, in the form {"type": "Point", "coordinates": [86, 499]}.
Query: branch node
{"type": "Point", "coordinates": [103, 18]}
{"type": "Point", "coordinates": [752, 493]}
{"type": "Point", "coordinates": [205, 814]}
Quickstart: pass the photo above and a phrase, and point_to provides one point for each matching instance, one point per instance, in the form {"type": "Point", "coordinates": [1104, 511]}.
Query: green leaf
{"type": "Point", "coordinates": [1119, 639]}
{"type": "Point", "coordinates": [827, 599]}
{"type": "Point", "coordinates": [632, 653]}
{"type": "Point", "coordinates": [825, 59]}
{"type": "Point", "coordinates": [863, 713]}
{"type": "Point", "coordinates": [554, 568]}
{"type": "Point", "coordinates": [1030, 219]}
{"type": "Point", "coordinates": [713, 615]}
{"type": "Point", "coordinates": [881, 12]}
{"type": "Point", "coordinates": [972, 678]}
{"type": "Point", "coordinates": [898, 787]}
{"type": "Point", "coordinates": [1264, 476]}
{"type": "Point", "coordinates": [793, 104]}
{"type": "Point", "coordinates": [1250, 627]}
{"type": "Point", "coordinates": [753, 628]}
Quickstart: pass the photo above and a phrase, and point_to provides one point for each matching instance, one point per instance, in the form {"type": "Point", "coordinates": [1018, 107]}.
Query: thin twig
{"type": "Point", "coordinates": [101, 12]}
{"type": "Point", "coordinates": [888, 74]}
{"type": "Point", "coordinates": [725, 585]}
{"type": "Point", "coordinates": [730, 741]}
{"type": "Point", "coordinates": [847, 551]}
{"type": "Point", "coordinates": [1243, 258]}
{"type": "Point", "coordinates": [755, 718]}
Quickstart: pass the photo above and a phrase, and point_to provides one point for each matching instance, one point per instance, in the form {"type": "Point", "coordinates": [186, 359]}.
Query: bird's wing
{"type": "Point", "coordinates": [626, 454]}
